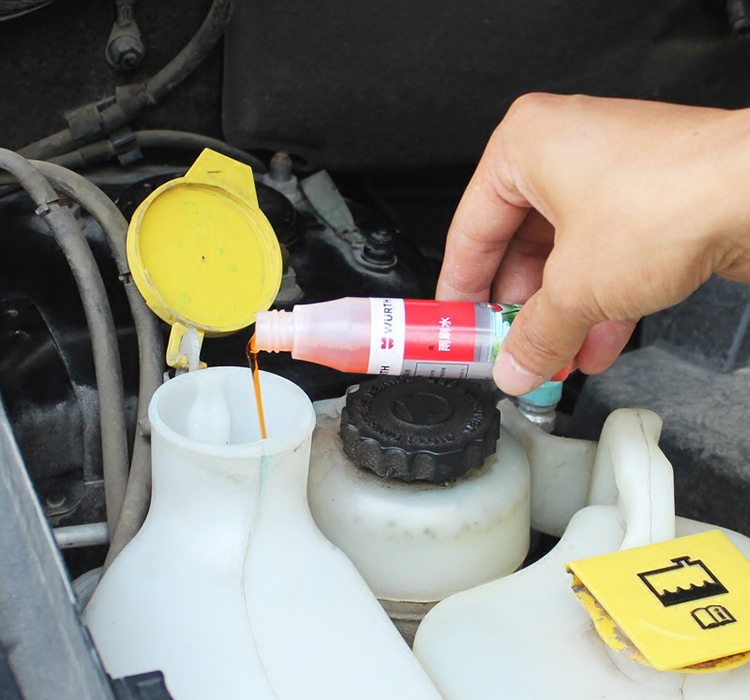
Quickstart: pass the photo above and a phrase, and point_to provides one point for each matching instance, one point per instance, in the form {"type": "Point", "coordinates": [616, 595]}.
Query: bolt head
{"type": "Point", "coordinates": [379, 248]}
{"type": "Point", "coordinates": [125, 52]}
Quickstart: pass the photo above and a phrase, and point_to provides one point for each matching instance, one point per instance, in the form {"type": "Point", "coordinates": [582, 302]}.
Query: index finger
{"type": "Point", "coordinates": [478, 236]}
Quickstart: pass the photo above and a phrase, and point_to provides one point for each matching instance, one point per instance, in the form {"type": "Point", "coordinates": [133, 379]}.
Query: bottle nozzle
{"type": "Point", "coordinates": [274, 331]}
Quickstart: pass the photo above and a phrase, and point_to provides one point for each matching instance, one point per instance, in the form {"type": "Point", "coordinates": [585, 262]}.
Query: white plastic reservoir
{"type": "Point", "coordinates": [229, 588]}
{"type": "Point", "coordinates": [526, 637]}
{"type": "Point", "coordinates": [418, 541]}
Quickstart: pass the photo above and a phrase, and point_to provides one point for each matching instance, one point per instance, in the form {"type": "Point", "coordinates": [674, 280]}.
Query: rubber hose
{"type": "Point", "coordinates": [129, 100]}
{"type": "Point", "coordinates": [101, 151]}
{"type": "Point", "coordinates": [10, 9]}
{"type": "Point", "coordinates": [194, 52]}
{"type": "Point", "coordinates": [150, 346]}
{"type": "Point", "coordinates": [87, 535]}
{"type": "Point", "coordinates": [185, 140]}
{"type": "Point", "coordinates": [70, 238]}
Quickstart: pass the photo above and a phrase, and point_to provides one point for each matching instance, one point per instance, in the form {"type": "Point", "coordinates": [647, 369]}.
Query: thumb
{"type": "Point", "coordinates": [544, 337]}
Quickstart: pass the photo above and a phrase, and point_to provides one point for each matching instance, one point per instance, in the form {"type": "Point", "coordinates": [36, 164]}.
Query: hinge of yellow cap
{"type": "Point", "coordinates": [184, 347]}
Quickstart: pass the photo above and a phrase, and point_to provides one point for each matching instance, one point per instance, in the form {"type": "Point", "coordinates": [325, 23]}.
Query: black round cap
{"type": "Point", "coordinates": [414, 428]}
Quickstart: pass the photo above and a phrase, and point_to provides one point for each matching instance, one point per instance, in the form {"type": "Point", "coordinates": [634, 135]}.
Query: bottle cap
{"type": "Point", "coordinates": [419, 429]}
{"type": "Point", "coordinates": [202, 253]}
{"type": "Point", "coordinates": [548, 394]}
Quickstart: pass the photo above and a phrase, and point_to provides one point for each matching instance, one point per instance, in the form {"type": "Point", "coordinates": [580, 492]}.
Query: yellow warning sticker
{"type": "Point", "coordinates": [681, 603]}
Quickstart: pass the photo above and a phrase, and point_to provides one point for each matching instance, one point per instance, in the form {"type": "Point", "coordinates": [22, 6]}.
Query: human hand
{"type": "Point", "coordinates": [595, 212]}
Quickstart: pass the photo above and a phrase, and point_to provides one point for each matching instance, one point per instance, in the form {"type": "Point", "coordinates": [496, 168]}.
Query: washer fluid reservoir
{"type": "Point", "coordinates": [229, 588]}
{"type": "Point", "coordinates": [417, 482]}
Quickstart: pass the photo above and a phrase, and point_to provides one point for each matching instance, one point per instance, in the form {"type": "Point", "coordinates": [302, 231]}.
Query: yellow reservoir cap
{"type": "Point", "coordinates": [202, 253]}
{"type": "Point", "coordinates": [680, 605]}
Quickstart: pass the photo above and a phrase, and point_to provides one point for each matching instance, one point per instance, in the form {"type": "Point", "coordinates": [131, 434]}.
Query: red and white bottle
{"type": "Point", "coordinates": [409, 337]}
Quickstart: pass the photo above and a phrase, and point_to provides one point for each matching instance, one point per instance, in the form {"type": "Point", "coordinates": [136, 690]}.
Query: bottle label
{"type": "Point", "coordinates": [387, 336]}
{"type": "Point", "coordinates": [453, 339]}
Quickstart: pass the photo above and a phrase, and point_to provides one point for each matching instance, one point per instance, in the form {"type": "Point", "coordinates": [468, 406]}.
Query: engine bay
{"type": "Point", "coordinates": [359, 127]}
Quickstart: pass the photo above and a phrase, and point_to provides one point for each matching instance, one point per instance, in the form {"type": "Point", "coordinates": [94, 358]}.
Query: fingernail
{"type": "Point", "coordinates": [512, 378]}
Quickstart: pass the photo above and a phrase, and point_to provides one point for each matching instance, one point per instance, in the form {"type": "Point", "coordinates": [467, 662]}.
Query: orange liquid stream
{"type": "Point", "coordinates": [252, 358]}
